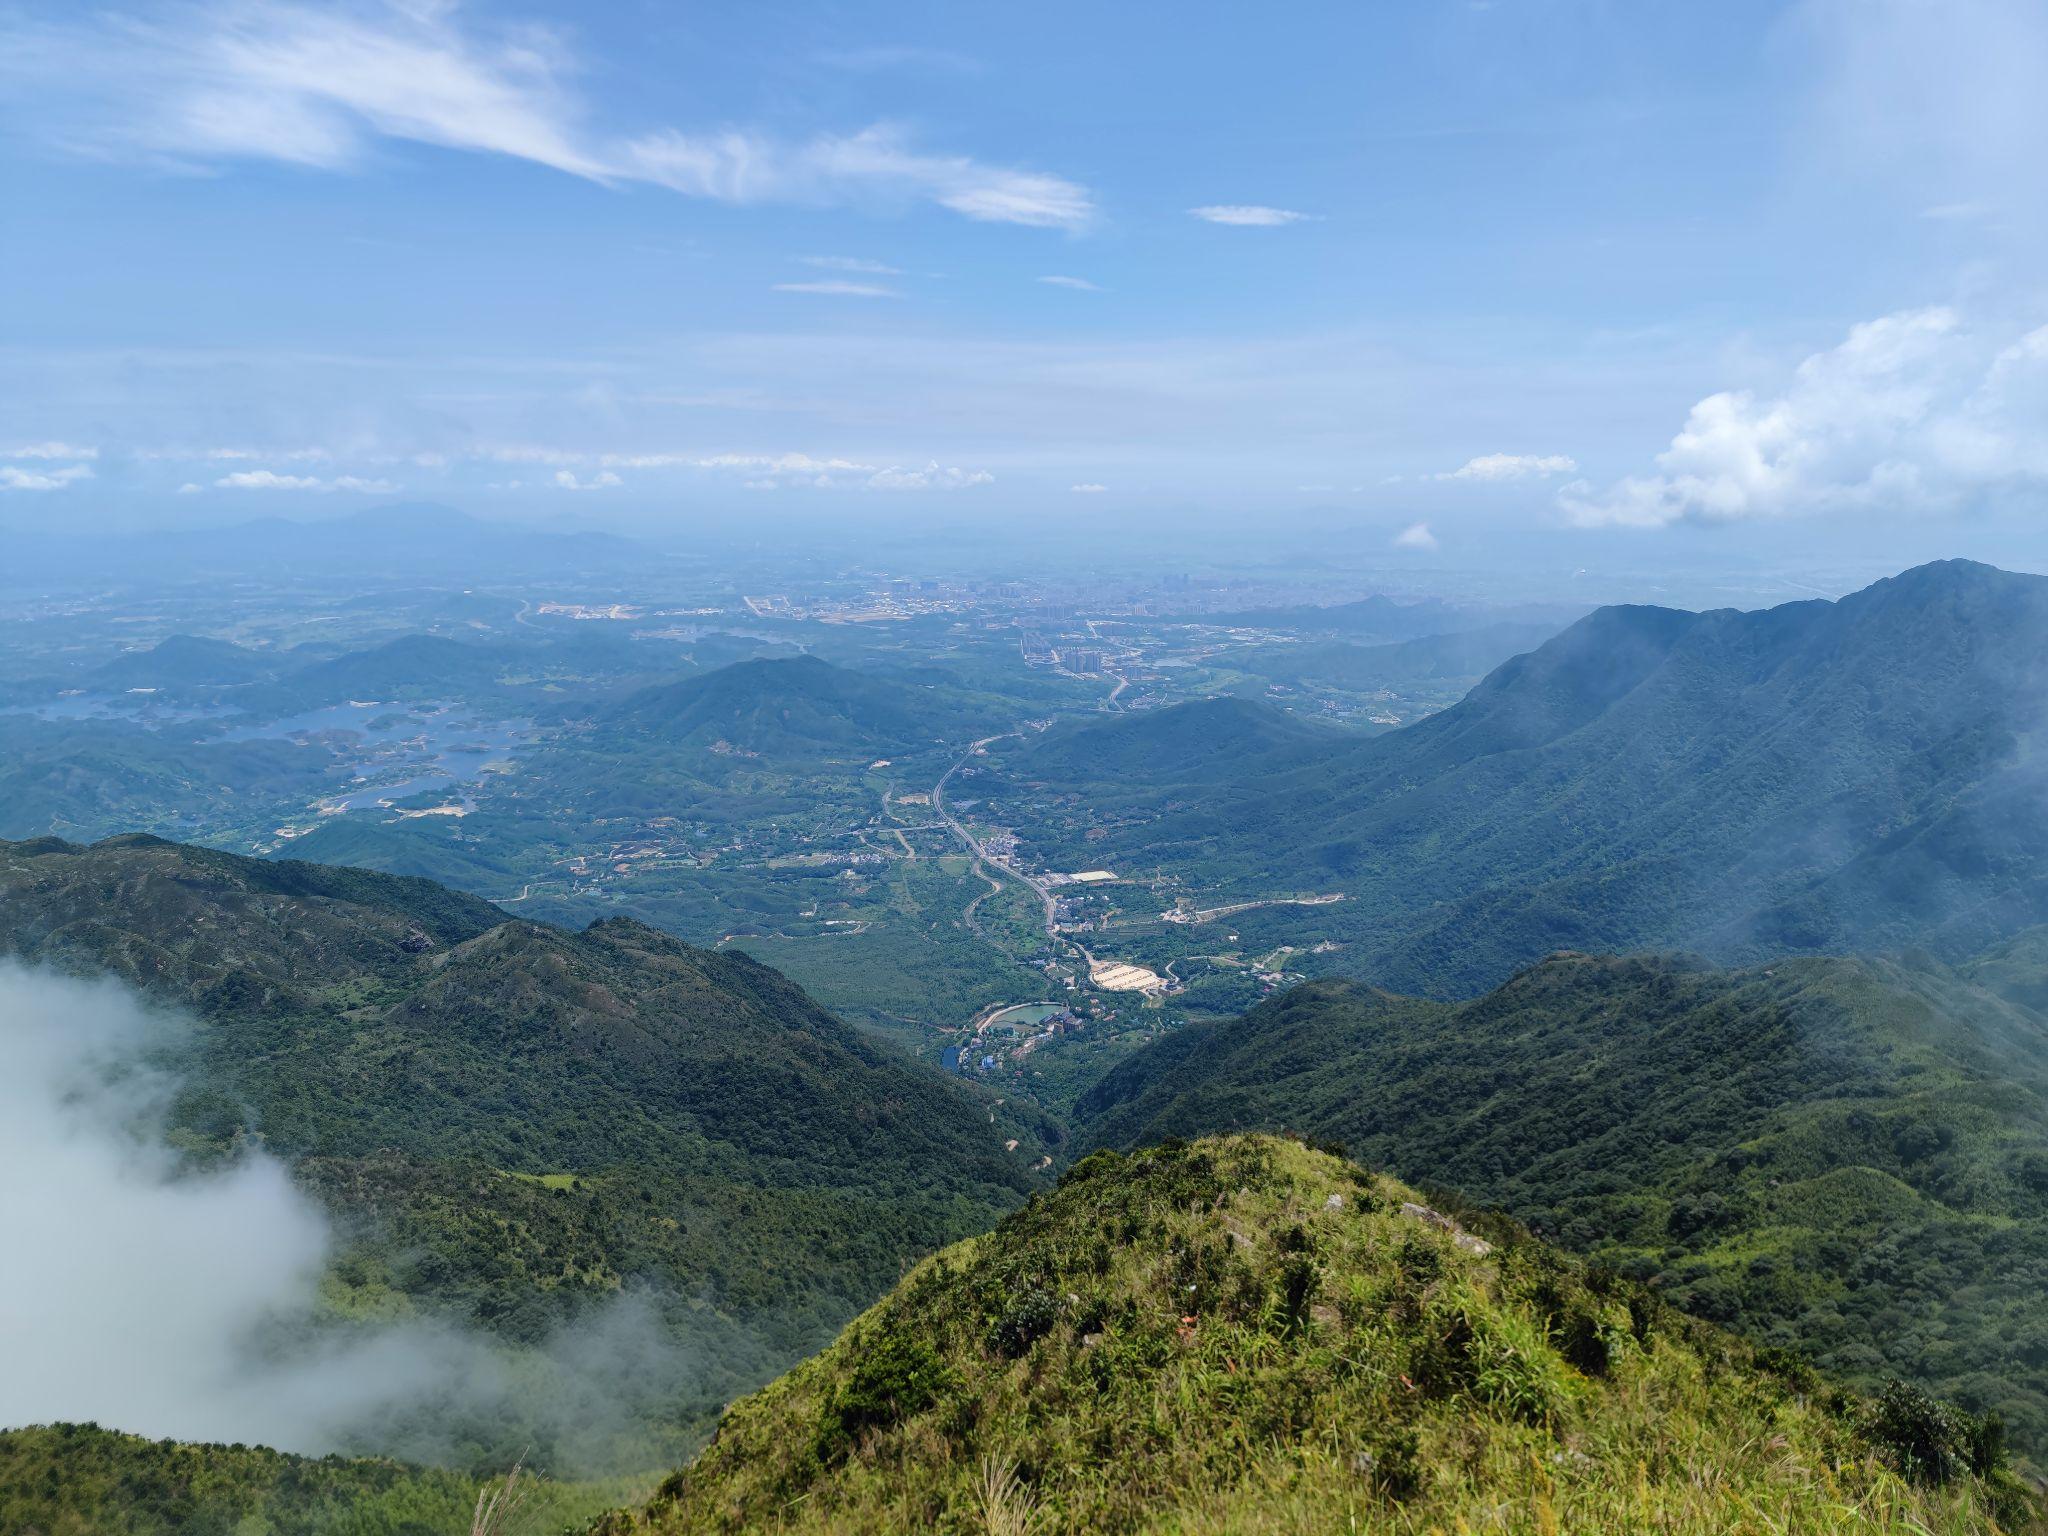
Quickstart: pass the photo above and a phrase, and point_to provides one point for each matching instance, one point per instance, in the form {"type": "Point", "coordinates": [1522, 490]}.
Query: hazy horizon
{"type": "Point", "coordinates": [1453, 288]}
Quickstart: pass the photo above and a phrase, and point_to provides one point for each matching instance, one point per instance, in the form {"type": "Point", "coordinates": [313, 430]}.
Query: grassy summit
{"type": "Point", "coordinates": [1245, 1335]}
{"type": "Point", "coordinates": [1849, 1157]}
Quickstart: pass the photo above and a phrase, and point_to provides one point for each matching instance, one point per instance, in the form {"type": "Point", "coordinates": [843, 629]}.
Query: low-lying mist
{"type": "Point", "coordinates": [173, 1300]}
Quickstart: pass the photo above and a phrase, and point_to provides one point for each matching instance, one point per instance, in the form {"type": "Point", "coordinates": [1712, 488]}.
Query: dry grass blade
{"type": "Point", "coordinates": [1007, 1508]}
{"type": "Point", "coordinates": [497, 1503]}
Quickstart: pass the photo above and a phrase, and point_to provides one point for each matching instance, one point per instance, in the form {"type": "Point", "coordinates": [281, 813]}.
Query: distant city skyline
{"type": "Point", "coordinates": [1450, 279]}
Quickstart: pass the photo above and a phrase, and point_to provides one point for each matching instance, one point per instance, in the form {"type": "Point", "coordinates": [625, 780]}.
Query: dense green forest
{"type": "Point", "coordinates": [1844, 1157]}
{"type": "Point", "coordinates": [81, 1480]}
{"type": "Point", "coordinates": [1245, 1335]}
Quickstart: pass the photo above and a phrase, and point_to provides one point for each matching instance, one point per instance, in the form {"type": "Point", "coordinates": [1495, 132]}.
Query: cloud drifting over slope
{"type": "Point", "coordinates": [168, 1302]}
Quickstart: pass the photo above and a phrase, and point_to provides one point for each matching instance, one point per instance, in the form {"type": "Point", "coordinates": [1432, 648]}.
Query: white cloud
{"type": "Point", "coordinates": [282, 455]}
{"type": "Point", "coordinates": [1079, 284]}
{"type": "Point", "coordinates": [1917, 411]}
{"type": "Point", "coordinates": [319, 86]}
{"type": "Point", "coordinates": [13, 478]}
{"type": "Point", "coordinates": [190, 488]}
{"type": "Point", "coordinates": [1088, 488]}
{"type": "Point", "coordinates": [784, 463]}
{"type": "Point", "coordinates": [603, 480]}
{"type": "Point", "coordinates": [50, 451]}
{"type": "Point", "coordinates": [1249, 215]}
{"type": "Point", "coordinates": [839, 288]}
{"type": "Point", "coordinates": [931, 477]}
{"type": "Point", "coordinates": [1415, 536]}
{"type": "Point", "coordinates": [851, 264]}
{"type": "Point", "coordinates": [271, 480]}
{"type": "Point", "coordinates": [1511, 466]}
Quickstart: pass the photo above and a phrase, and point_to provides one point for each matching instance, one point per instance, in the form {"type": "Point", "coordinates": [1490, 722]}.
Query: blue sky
{"type": "Point", "coordinates": [1437, 269]}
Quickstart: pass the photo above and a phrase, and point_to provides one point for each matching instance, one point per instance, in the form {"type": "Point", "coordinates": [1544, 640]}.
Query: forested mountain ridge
{"type": "Point", "coordinates": [515, 1120]}
{"type": "Point", "coordinates": [794, 706]}
{"type": "Point", "coordinates": [1849, 1157]}
{"type": "Point", "coordinates": [1819, 776]}
{"type": "Point", "coordinates": [1192, 741]}
{"type": "Point", "coordinates": [1245, 1335]}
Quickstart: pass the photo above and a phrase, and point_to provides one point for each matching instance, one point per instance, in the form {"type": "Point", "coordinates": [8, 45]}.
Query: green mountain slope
{"type": "Point", "coordinates": [80, 1480]}
{"type": "Point", "coordinates": [1244, 1335]}
{"type": "Point", "coordinates": [795, 707]}
{"type": "Point", "coordinates": [180, 662]}
{"type": "Point", "coordinates": [1197, 740]}
{"type": "Point", "coordinates": [81, 777]}
{"type": "Point", "coordinates": [516, 1122]}
{"type": "Point", "coordinates": [1849, 1157]}
{"type": "Point", "coordinates": [1467, 655]}
{"type": "Point", "coordinates": [1818, 776]}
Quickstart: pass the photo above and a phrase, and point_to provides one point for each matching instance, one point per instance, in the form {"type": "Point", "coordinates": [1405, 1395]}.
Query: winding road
{"type": "Point", "coordinates": [984, 857]}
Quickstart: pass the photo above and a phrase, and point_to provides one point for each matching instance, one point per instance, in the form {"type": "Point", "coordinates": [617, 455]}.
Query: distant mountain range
{"type": "Point", "coordinates": [1820, 776]}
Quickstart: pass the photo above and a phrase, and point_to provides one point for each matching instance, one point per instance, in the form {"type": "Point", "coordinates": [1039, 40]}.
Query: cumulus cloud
{"type": "Point", "coordinates": [319, 86]}
{"type": "Point", "coordinates": [1249, 215]}
{"type": "Point", "coordinates": [14, 478]}
{"type": "Point", "coordinates": [1511, 466]}
{"type": "Point", "coordinates": [932, 477]}
{"type": "Point", "coordinates": [1078, 284]}
{"type": "Point", "coordinates": [169, 1301]}
{"type": "Point", "coordinates": [1918, 411]}
{"type": "Point", "coordinates": [840, 288]}
{"type": "Point", "coordinates": [271, 480]}
{"type": "Point", "coordinates": [603, 480]}
{"type": "Point", "coordinates": [1415, 536]}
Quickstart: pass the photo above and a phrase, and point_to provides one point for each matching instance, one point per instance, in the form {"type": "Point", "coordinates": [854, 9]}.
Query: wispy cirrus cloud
{"type": "Point", "coordinates": [50, 451]}
{"type": "Point", "coordinates": [838, 287]}
{"type": "Point", "coordinates": [851, 264]}
{"type": "Point", "coordinates": [1249, 215]}
{"type": "Point", "coordinates": [1078, 284]}
{"type": "Point", "coordinates": [757, 471]}
{"type": "Point", "coordinates": [215, 81]}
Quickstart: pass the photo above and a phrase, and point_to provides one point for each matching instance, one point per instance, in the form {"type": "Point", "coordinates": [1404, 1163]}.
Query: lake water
{"type": "Point", "coordinates": [398, 750]}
